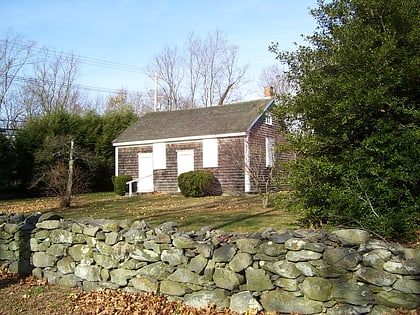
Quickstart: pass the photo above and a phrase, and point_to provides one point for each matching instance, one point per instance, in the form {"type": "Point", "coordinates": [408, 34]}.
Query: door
{"type": "Point", "coordinates": [185, 161]}
{"type": "Point", "coordinates": [145, 183]}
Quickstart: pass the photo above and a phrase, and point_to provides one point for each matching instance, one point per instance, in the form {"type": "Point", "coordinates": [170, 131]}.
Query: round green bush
{"type": "Point", "coordinates": [120, 184]}
{"type": "Point", "coordinates": [196, 183]}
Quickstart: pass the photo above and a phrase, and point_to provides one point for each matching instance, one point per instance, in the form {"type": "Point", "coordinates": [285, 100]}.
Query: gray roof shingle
{"type": "Point", "coordinates": [194, 122]}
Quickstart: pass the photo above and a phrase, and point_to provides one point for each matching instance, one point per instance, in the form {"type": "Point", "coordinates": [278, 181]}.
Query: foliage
{"type": "Point", "coordinates": [51, 168]}
{"type": "Point", "coordinates": [120, 184]}
{"type": "Point", "coordinates": [196, 183]}
{"type": "Point", "coordinates": [354, 120]}
{"type": "Point", "coordinates": [92, 133]}
{"type": "Point", "coordinates": [7, 163]}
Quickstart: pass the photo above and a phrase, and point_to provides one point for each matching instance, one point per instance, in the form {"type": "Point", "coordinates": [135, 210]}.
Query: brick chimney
{"type": "Point", "coordinates": [268, 91]}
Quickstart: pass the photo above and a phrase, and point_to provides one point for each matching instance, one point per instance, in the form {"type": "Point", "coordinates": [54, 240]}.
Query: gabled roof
{"type": "Point", "coordinates": [196, 122]}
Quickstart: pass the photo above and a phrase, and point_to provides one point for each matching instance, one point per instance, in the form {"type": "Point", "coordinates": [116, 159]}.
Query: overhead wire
{"type": "Point", "coordinates": [84, 60]}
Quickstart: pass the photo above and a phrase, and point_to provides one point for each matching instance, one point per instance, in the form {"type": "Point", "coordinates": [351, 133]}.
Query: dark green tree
{"type": "Point", "coordinates": [7, 163]}
{"type": "Point", "coordinates": [354, 120]}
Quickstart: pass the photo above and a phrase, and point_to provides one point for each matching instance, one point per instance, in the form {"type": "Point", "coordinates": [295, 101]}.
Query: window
{"type": "Point", "coordinates": [269, 152]}
{"type": "Point", "coordinates": [268, 119]}
{"type": "Point", "coordinates": [210, 153]}
{"type": "Point", "coordinates": [159, 156]}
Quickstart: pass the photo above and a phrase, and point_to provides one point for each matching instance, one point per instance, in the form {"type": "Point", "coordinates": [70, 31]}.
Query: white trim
{"type": "Point", "coordinates": [259, 116]}
{"type": "Point", "coordinates": [159, 156]}
{"type": "Point", "coordinates": [247, 161]}
{"type": "Point", "coordinates": [180, 139]}
{"type": "Point", "coordinates": [116, 161]}
{"type": "Point", "coordinates": [210, 152]}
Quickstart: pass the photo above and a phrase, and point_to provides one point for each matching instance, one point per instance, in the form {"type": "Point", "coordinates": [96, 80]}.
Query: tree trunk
{"type": "Point", "coordinates": [67, 198]}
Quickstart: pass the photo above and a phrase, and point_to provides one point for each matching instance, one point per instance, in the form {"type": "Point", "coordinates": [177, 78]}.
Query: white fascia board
{"type": "Point", "coordinates": [180, 139]}
{"type": "Point", "coordinates": [262, 112]}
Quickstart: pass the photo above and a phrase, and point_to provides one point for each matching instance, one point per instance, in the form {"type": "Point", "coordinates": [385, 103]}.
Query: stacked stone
{"type": "Point", "coordinates": [302, 271]}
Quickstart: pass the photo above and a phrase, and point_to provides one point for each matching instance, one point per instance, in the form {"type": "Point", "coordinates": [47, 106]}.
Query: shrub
{"type": "Point", "coordinates": [196, 183]}
{"type": "Point", "coordinates": [120, 186]}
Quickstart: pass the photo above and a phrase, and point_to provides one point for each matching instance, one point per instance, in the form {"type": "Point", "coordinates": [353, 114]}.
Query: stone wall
{"type": "Point", "coordinates": [302, 271]}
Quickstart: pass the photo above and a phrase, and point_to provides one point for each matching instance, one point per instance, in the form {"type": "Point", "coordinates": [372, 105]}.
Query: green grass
{"type": "Point", "coordinates": [240, 214]}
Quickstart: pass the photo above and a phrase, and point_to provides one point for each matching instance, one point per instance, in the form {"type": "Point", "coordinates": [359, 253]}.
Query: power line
{"type": "Point", "coordinates": [86, 60]}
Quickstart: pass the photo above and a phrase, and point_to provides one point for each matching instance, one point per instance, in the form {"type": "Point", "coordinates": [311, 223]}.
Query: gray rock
{"type": "Point", "coordinates": [346, 309]}
{"type": "Point", "coordinates": [315, 288]}
{"type": "Point", "coordinates": [405, 267]}
{"type": "Point", "coordinates": [224, 253]}
{"type": "Point", "coordinates": [243, 301]}
{"type": "Point", "coordinates": [157, 270]}
{"type": "Point", "coordinates": [42, 259]}
{"type": "Point", "coordinates": [240, 262]}
{"type": "Point", "coordinates": [283, 268]}
{"type": "Point", "coordinates": [286, 302]}
{"type": "Point", "coordinates": [352, 237]}
{"type": "Point", "coordinates": [183, 242]}
{"type": "Point", "coordinates": [121, 276]}
{"type": "Point", "coordinates": [347, 258]}
{"type": "Point", "coordinates": [307, 269]}
{"type": "Point", "coordinates": [88, 272]}
{"type": "Point", "coordinates": [105, 261]}
{"type": "Point", "coordinates": [272, 249]}
{"type": "Point", "coordinates": [352, 293]}
{"type": "Point", "coordinates": [134, 236]}
{"type": "Point", "coordinates": [186, 276]}
{"type": "Point", "coordinates": [173, 288]}
{"type": "Point", "coordinates": [49, 216]}
{"type": "Point", "coordinates": [295, 244]}
{"type": "Point", "coordinates": [197, 264]}
{"type": "Point", "coordinates": [57, 250]}
{"type": "Point", "coordinates": [280, 238]}
{"type": "Point", "coordinates": [376, 258]}
{"type": "Point", "coordinates": [82, 253]}
{"type": "Point", "coordinates": [257, 280]}
{"type": "Point", "coordinates": [227, 279]}
{"type": "Point", "coordinates": [302, 255]}
{"type": "Point", "coordinates": [145, 284]}
{"type": "Point", "coordinates": [206, 297]}
{"type": "Point", "coordinates": [145, 255]}
{"type": "Point", "coordinates": [66, 265]}
{"type": "Point", "coordinates": [407, 286]}
{"type": "Point", "coordinates": [174, 256]}
{"type": "Point", "coordinates": [90, 230]}
{"type": "Point", "coordinates": [376, 277]}
{"type": "Point", "coordinates": [288, 284]}
{"type": "Point", "coordinates": [397, 299]}
{"type": "Point", "coordinates": [59, 236]}
{"type": "Point", "coordinates": [48, 225]}
{"type": "Point", "coordinates": [248, 245]}
{"type": "Point", "coordinates": [206, 250]}
{"type": "Point", "coordinates": [69, 281]}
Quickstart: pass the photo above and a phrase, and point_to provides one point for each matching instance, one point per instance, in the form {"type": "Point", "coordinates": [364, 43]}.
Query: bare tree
{"type": "Point", "coordinates": [275, 77]}
{"type": "Point", "coordinates": [253, 161]}
{"type": "Point", "coordinates": [62, 168]}
{"type": "Point", "coordinates": [53, 84]}
{"type": "Point", "coordinates": [168, 71]}
{"type": "Point", "coordinates": [14, 56]}
{"type": "Point", "coordinates": [206, 75]}
{"type": "Point", "coordinates": [213, 71]}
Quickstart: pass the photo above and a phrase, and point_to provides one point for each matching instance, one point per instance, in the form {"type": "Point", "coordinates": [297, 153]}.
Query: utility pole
{"type": "Point", "coordinates": [67, 197]}
{"type": "Point", "coordinates": [155, 96]}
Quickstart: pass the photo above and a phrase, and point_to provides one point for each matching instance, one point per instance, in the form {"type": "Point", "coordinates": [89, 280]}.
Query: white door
{"type": "Point", "coordinates": [145, 183]}
{"type": "Point", "coordinates": [185, 161]}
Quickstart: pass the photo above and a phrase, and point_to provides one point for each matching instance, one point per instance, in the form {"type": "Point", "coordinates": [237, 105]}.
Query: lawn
{"type": "Point", "coordinates": [239, 214]}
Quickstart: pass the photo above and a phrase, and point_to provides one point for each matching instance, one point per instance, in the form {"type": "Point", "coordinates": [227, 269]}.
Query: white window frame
{"type": "Point", "coordinates": [159, 156]}
{"type": "Point", "coordinates": [210, 152]}
{"type": "Point", "coordinates": [269, 152]}
{"type": "Point", "coordinates": [268, 119]}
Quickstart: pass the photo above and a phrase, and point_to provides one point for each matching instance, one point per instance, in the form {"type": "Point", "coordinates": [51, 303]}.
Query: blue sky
{"type": "Point", "coordinates": [132, 32]}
